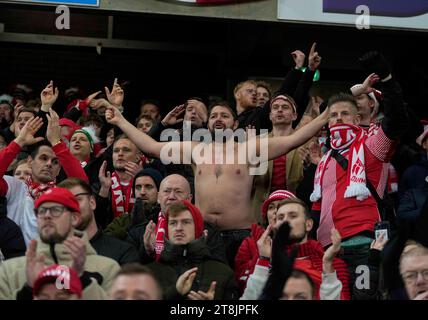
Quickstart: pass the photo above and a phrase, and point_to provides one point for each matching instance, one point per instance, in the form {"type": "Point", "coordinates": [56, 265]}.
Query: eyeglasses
{"type": "Point", "coordinates": [78, 195]}
{"type": "Point", "coordinates": [411, 276]}
{"type": "Point", "coordinates": [55, 211]}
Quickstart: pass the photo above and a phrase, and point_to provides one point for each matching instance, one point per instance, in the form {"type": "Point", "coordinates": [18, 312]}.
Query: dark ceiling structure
{"type": "Point", "coordinates": [172, 57]}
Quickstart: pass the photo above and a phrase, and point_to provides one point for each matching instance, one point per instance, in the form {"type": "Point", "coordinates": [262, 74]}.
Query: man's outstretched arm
{"type": "Point", "coordinates": [144, 142]}
{"type": "Point", "coordinates": [278, 146]}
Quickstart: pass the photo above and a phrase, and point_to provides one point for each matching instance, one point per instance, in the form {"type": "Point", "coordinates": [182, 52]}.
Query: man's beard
{"type": "Point", "coordinates": [120, 169]}
{"type": "Point", "coordinates": [222, 138]}
{"type": "Point", "coordinates": [53, 237]}
{"type": "Point", "coordinates": [297, 238]}
{"type": "Point", "coordinates": [283, 122]}
{"type": "Point", "coordinates": [292, 239]}
{"type": "Point", "coordinates": [85, 223]}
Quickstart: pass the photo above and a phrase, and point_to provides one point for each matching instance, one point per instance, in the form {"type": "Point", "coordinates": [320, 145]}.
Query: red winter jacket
{"type": "Point", "coordinates": [246, 257]}
{"type": "Point", "coordinates": [313, 251]}
{"type": "Point", "coordinates": [69, 163]}
{"type": "Point", "coordinates": [248, 253]}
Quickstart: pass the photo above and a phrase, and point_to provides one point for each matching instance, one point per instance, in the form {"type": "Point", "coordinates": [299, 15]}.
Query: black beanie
{"type": "Point", "coordinates": [152, 173]}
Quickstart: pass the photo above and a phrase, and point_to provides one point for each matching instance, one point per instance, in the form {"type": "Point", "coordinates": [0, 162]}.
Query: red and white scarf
{"type": "Point", "coordinates": [347, 139]}
{"type": "Point", "coordinates": [373, 129]}
{"type": "Point", "coordinates": [36, 189]}
{"type": "Point", "coordinates": [160, 235]}
{"type": "Point", "coordinates": [121, 198]}
{"type": "Point", "coordinates": [392, 179]}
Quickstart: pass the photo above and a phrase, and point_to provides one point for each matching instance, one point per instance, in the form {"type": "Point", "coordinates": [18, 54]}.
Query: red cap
{"type": "Point", "coordinates": [59, 195]}
{"type": "Point", "coordinates": [274, 196]}
{"type": "Point", "coordinates": [197, 219]}
{"type": "Point", "coordinates": [68, 279]}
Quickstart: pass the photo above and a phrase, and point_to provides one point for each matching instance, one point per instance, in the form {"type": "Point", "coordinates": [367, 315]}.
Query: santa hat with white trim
{"type": "Point", "coordinates": [89, 132]}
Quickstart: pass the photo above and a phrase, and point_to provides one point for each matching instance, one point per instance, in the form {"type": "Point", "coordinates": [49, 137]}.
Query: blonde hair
{"type": "Point", "coordinates": [20, 162]}
{"type": "Point", "coordinates": [241, 84]}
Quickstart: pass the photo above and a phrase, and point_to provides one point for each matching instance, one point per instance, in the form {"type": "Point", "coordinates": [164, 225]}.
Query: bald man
{"type": "Point", "coordinates": [173, 189]}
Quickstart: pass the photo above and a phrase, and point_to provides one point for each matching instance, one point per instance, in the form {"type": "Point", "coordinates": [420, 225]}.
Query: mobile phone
{"type": "Point", "coordinates": [382, 227]}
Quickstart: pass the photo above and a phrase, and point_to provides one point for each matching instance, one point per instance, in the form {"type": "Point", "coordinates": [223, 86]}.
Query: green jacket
{"type": "Point", "coordinates": [176, 259]}
{"type": "Point", "coordinates": [13, 273]}
{"type": "Point", "coordinates": [120, 226]}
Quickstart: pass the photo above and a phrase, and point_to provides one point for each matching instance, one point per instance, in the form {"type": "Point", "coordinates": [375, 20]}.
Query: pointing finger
{"type": "Point", "coordinates": [313, 48]}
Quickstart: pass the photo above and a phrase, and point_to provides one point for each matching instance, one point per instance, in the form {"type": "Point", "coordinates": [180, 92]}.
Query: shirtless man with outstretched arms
{"type": "Point", "coordinates": [222, 189]}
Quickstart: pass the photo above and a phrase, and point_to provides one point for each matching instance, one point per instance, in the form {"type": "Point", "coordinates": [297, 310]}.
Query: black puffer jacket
{"type": "Point", "coordinates": [176, 259]}
{"type": "Point", "coordinates": [214, 241]}
{"type": "Point", "coordinates": [120, 251]}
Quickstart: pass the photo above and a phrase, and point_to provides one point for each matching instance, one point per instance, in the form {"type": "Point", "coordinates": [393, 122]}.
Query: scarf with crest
{"type": "Point", "coordinates": [346, 139]}
{"type": "Point", "coordinates": [121, 198]}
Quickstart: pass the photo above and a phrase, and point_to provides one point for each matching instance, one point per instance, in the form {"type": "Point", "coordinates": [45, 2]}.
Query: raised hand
{"type": "Point", "coordinates": [34, 263]}
{"type": "Point", "coordinates": [315, 154]}
{"type": "Point", "coordinates": [331, 252]}
{"type": "Point", "coordinates": [366, 87]}
{"type": "Point", "coordinates": [105, 180]}
{"type": "Point", "coordinates": [200, 295]}
{"type": "Point", "coordinates": [305, 155]}
{"type": "Point", "coordinates": [53, 132]}
{"type": "Point", "coordinates": [149, 238]}
{"type": "Point", "coordinates": [26, 135]}
{"type": "Point", "coordinates": [174, 116]}
{"type": "Point", "coordinates": [299, 58]}
{"type": "Point", "coordinates": [379, 243]}
{"type": "Point", "coordinates": [310, 153]}
{"type": "Point", "coordinates": [132, 168]}
{"type": "Point", "coordinates": [16, 110]}
{"type": "Point", "coordinates": [314, 59]}
{"type": "Point", "coordinates": [91, 97]}
{"type": "Point", "coordinates": [115, 97]}
{"type": "Point", "coordinates": [264, 244]}
{"type": "Point", "coordinates": [77, 248]}
{"type": "Point", "coordinates": [316, 103]}
{"type": "Point", "coordinates": [114, 116]}
{"type": "Point", "coordinates": [282, 263]}
{"type": "Point", "coordinates": [99, 103]}
{"type": "Point", "coordinates": [185, 281]}
{"type": "Point", "coordinates": [205, 235]}
{"type": "Point", "coordinates": [48, 96]}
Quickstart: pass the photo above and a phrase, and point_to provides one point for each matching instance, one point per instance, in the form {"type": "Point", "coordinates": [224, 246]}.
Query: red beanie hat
{"type": "Point", "coordinates": [274, 196]}
{"type": "Point", "coordinates": [71, 124]}
{"type": "Point", "coordinates": [68, 277]}
{"type": "Point", "coordinates": [197, 219]}
{"type": "Point", "coordinates": [59, 195]}
{"type": "Point", "coordinates": [306, 266]}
